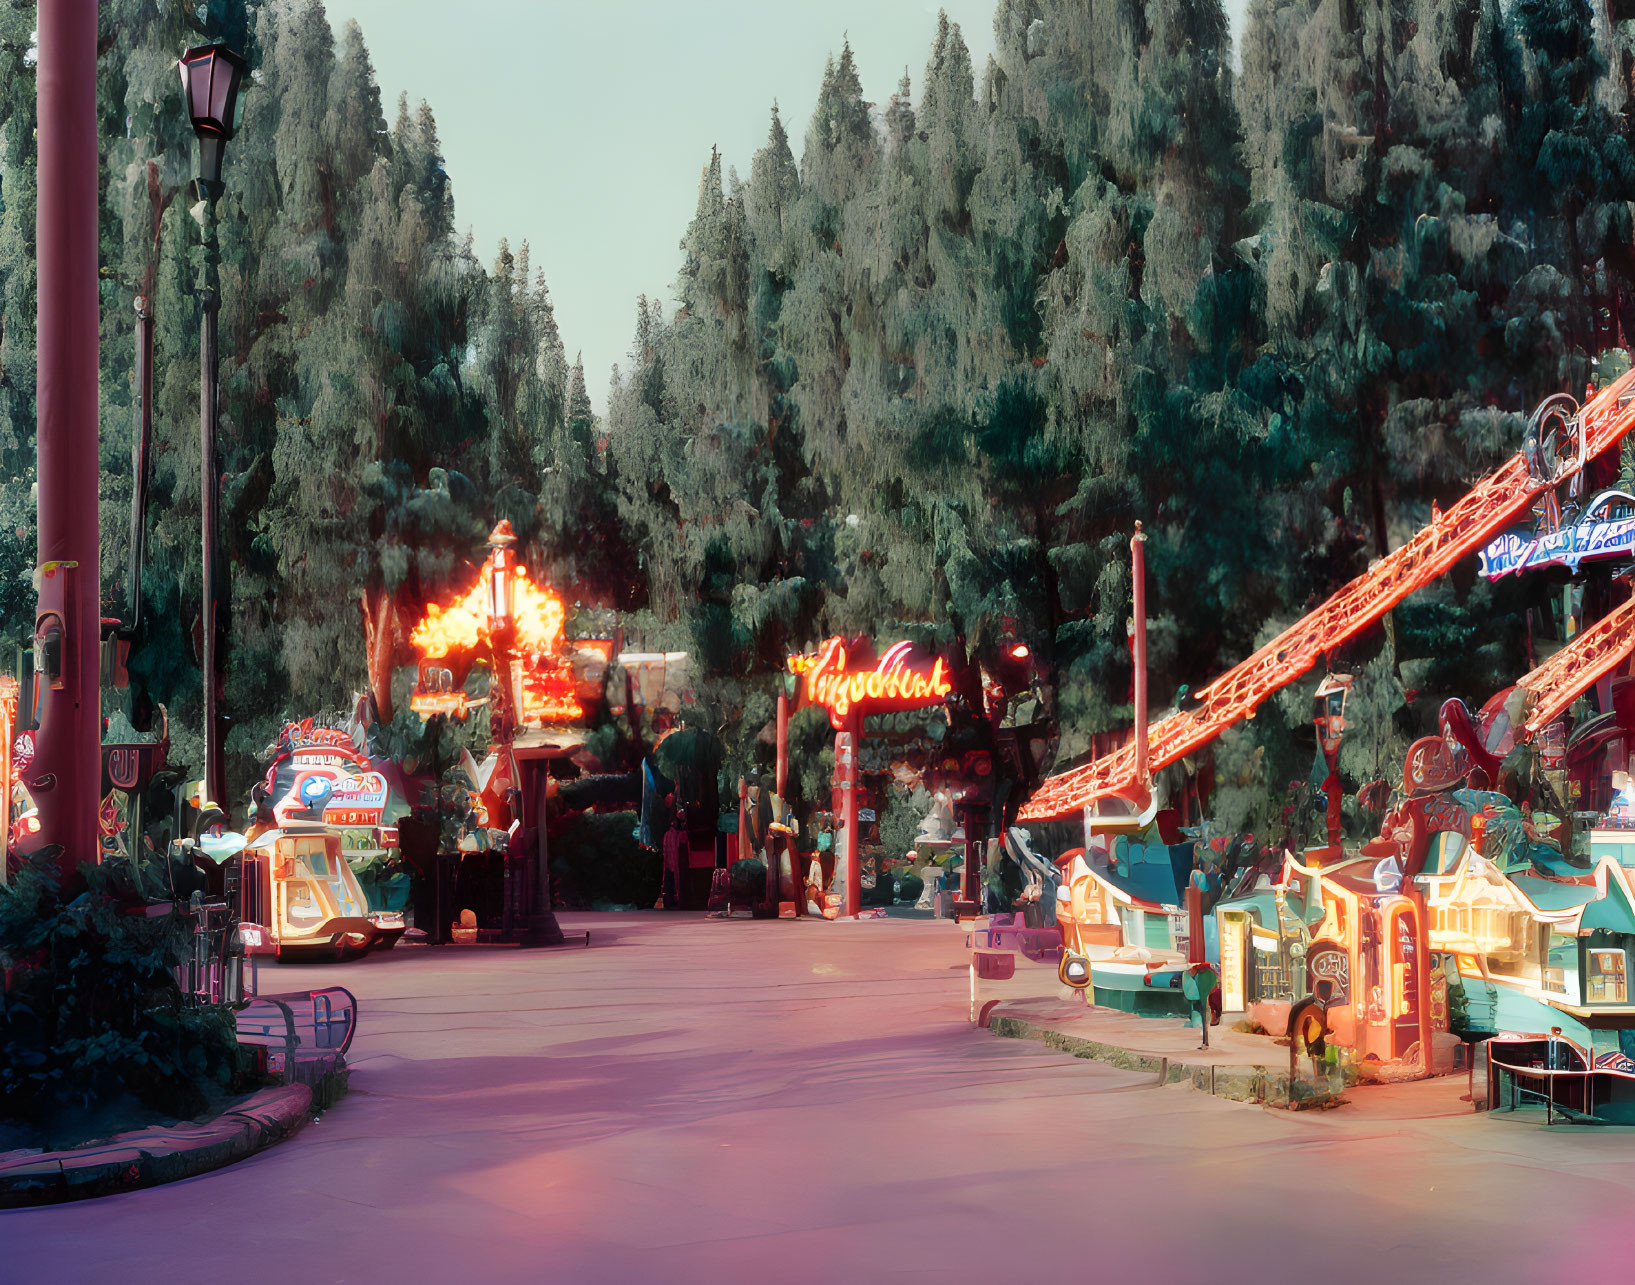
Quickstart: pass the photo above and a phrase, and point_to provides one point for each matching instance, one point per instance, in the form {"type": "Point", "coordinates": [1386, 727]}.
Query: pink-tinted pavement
{"type": "Point", "coordinates": [698, 1100]}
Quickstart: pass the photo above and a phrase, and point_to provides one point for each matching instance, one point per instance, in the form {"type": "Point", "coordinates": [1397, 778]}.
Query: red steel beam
{"type": "Point", "coordinates": [1559, 681]}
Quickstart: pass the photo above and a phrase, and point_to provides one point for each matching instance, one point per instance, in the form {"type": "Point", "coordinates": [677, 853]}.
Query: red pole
{"type": "Point", "coordinates": [1331, 787]}
{"type": "Point", "coordinates": [1195, 925]}
{"type": "Point", "coordinates": [66, 774]}
{"type": "Point", "coordinates": [1138, 572]}
{"type": "Point", "coordinates": [973, 816]}
{"type": "Point", "coordinates": [783, 744]}
{"type": "Point", "coordinates": [854, 847]}
{"type": "Point", "coordinates": [782, 778]}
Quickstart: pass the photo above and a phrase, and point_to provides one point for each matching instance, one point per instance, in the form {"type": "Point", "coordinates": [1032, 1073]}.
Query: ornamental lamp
{"type": "Point", "coordinates": [211, 75]}
{"type": "Point", "coordinates": [501, 563]}
{"type": "Point", "coordinates": [1328, 711]}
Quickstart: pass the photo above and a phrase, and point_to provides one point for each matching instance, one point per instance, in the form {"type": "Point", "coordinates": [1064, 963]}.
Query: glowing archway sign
{"type": "Point", "coordinates": [901, 680]}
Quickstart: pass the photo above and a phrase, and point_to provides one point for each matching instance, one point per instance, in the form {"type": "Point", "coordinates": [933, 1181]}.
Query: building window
{"type": "Point", "coordinates": [1605, 978]}
{"type": "Point", "coordinates": [1272, 978]}
{"type": "Point", "coordinates": [1560, 958]}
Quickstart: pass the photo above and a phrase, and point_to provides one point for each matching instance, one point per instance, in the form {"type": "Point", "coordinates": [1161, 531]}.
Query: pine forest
{"type": "Point", "coordinates": [925, 364]}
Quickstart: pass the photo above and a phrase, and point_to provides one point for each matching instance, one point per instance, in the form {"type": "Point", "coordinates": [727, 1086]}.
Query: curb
{"type": "Point", "coordinates": [148, 1157]}
{"type": "Point", "coordinates": [1241, 1083]}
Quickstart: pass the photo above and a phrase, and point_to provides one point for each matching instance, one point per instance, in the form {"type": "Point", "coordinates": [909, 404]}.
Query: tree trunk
{"type": "Point", "coordinates": [380, 647]}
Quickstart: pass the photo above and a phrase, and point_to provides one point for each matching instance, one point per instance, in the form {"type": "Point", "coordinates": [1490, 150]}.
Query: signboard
{"type": "Point", "coordinates": [1551, 744]}
{"type": "Point", "coordinates": [1232, 928]}
{"type": "Point", "coordinates": [357, 800]}
{"type": "Point", "coordinates": [1605, 528]}
{"type": "Point", "coordinates": [322, 763]}
{"type": "Point", "coordinates": [902, 679]}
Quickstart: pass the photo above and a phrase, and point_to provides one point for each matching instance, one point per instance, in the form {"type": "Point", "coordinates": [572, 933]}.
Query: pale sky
{"type": "Point", "coordinates": [582, 127]}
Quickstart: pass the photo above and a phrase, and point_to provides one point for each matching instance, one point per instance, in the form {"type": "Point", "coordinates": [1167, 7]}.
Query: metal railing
{"type": "Point", "coordinates": [213, 972]}
{"type": "Point", "coordinates": [1531, 1072]}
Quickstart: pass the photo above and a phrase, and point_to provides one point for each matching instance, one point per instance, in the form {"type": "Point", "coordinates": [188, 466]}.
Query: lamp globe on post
{"type": "Point", "coordinates": [211, 75]}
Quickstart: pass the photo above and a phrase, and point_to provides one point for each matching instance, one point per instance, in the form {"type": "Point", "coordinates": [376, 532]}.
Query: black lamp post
{"type": "Point", "coordinates": [210, 78]}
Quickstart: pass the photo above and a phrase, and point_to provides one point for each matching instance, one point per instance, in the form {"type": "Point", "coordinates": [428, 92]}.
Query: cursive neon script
{"type": "Point", "coordinates": [891, 683]}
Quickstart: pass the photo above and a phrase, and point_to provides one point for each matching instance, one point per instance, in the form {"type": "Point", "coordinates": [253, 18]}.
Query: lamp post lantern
{"type": "Point", "coordinates": [1328, 713]}
{"type": "Point", "coordinates": [210, 78]}
{"type": "Point", "coordinates": [500, 570]}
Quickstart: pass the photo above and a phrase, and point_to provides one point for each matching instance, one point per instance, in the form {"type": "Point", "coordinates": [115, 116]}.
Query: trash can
{"type": "Point", "coordinates": [433, 876]}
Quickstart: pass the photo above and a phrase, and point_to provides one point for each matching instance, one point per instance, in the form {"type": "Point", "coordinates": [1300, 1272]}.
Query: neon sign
{"type": "Point", "coordinates": [427, 704]}
{"type": "Point", "coordinates": [332, 746]}
{"type": "Point", "coordinates": [1605, 529]}
{"type": "Point", "coordinates": [547, 693]}
{"type": "Point", "coordinates": [521, 626]}
{"type": "Point", "coordinates": [536, 614]}
{"type": "Point", "coordinates": [899, 681]}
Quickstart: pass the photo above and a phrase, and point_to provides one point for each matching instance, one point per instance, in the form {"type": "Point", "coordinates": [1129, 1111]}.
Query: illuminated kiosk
{"type": "Point", "coordinates": [329, 806]}
{"type": "Point", "coordinates": [301, 899]}
{"type": "Point", "coordinates": [1563, 439]}
{"type": "Point", "coordinates": [903, 678]}
{"type": "Point", "coordinates": [1120, 913]}
{"type": "Point", "coordinates": [1464, 919]}
{"type": "Point", "coordinates": [536, 694]}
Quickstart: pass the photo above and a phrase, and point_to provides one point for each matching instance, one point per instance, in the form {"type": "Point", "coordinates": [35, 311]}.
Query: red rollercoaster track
{"type": "Point", "coordinates": [1557, 683]}
{"type": "Point", "coordinates": [1496, 500]}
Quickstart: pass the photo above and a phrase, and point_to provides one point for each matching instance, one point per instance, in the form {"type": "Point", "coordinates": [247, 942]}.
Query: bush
{"type": "Point", "coordinates": [595, 860]}
{"type": "Point", "coordinates": [881, 893]}
{"type": "Point", "coordinates": [909, 888]}
{"type": "Point", "coordinates": [91, 1014]}
{"type": "Point", "coordinates": [748, 881]}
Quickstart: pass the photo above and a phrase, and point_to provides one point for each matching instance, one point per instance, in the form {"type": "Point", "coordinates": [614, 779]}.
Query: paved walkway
{"type": "Point", "coordinates": [697, 1100]}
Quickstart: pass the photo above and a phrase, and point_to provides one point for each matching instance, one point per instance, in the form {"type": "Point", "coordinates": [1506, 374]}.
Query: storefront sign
{"type": "Point", "coordinates": [901, 680]}
{"type": "Point", "coordinates": [330, 746]}
{"type": "Point", "coordinates": [1232, 929]}
{"type": "Point", "coordinates": [1439, 1001]}
{"type": "Point", "coordinates": [322, 763]}
{"type": "Point", "coordinates": [357, 800]}
{"type": "Point", "coordinates": [1605, 529]}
